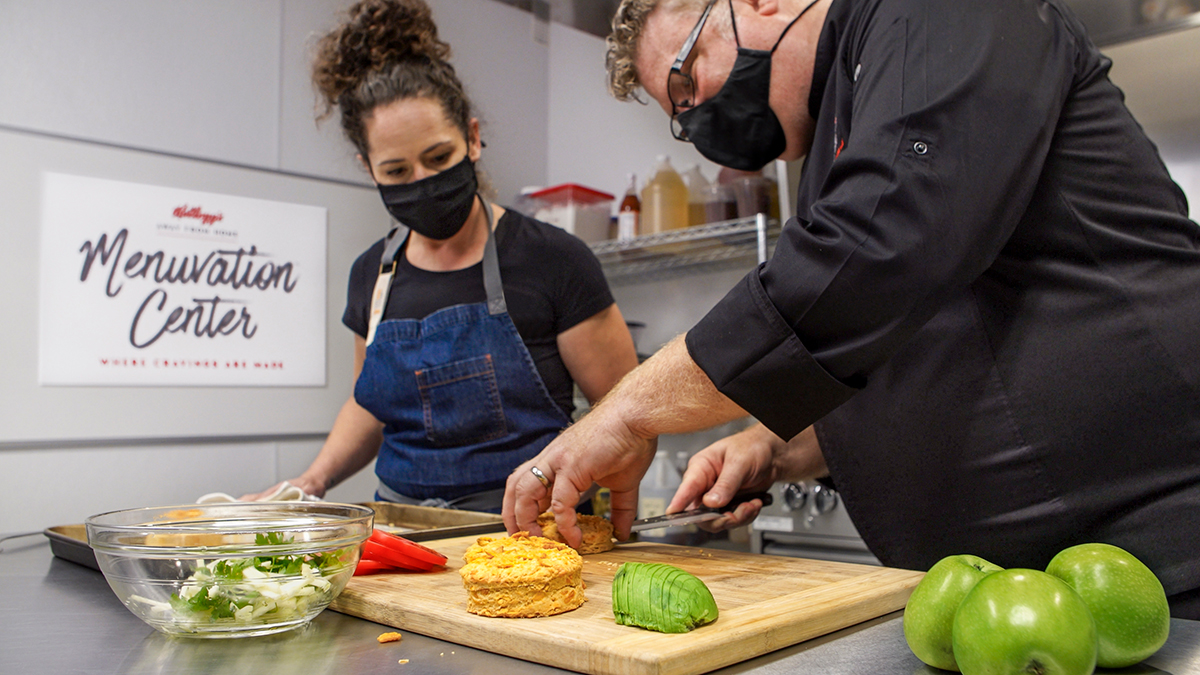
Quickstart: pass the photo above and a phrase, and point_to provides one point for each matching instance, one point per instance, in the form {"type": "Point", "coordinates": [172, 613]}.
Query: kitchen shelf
{"type": "Point", "coordinates": [728, 244]}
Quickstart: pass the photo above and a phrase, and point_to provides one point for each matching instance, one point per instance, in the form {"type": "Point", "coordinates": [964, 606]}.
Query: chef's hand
{"type": "Point", "coordinates": [751, 460]}
{"type": "Point", "coordinates": [599, 448]}
{"type": "Point", "coordinates": [614, 444]}
{"type": "Point", "coordinates": [743, 462]}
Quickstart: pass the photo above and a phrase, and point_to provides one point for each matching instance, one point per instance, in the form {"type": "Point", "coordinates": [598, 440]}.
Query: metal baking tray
{"type": "Point", "coordinates": [69, 542]}
{"type": "Point", "coordinates": [424, 523]}
{"type": "Point", "coordinates": [416, 523]}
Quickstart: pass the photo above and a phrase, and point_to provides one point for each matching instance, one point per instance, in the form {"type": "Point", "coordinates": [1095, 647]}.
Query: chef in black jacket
{"type": "Point", "coordinates": [987, 305]}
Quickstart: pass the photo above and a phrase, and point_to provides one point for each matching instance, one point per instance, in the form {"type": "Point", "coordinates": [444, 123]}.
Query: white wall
{"type": "Point", "coordinates": [178, 77]}
{"type": "Point", "coordinates": [594, 139]}
{"type": "Point", "coordinates": [504, 70]}
{"type": "Point", "coordinates": [47, 486]}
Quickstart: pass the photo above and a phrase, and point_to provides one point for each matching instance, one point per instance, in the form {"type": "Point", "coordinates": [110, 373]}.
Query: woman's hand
{"type": "Point", "coordinates": [259, 496]}
{"type": "Point", "coordinates": [310, 487]}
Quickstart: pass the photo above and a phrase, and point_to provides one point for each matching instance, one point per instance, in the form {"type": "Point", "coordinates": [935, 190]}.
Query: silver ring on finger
{"type": "Point", "coordinates": [540, 476]}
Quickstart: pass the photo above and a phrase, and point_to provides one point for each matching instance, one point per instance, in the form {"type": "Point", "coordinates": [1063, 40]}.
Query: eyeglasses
{"type": "Point", "coordinates": [681, 88]}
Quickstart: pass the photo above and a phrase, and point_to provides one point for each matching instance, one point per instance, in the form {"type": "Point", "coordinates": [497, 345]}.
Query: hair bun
{"type": "Point", "coordinates": [377, 34]}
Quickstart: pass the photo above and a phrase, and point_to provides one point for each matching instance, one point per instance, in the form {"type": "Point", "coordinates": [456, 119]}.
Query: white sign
{"type": "Point", "coordinates": [147, 285]}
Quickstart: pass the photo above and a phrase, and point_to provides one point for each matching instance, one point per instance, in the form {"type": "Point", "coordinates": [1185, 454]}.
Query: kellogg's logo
{"type": "Point", "coordinates": [198, 213]}
{"type": "Point", "coordinates": [195, 222]}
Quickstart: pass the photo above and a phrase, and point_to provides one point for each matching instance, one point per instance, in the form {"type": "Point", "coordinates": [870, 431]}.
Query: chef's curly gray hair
{"type": "Point", "coordinates": [627, 27]}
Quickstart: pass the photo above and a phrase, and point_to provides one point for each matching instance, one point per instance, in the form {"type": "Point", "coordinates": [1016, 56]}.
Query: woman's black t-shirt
{"type": "Point", "coordinates": [552, 282]}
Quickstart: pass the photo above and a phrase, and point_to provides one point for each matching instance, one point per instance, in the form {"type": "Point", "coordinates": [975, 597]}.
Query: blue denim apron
{"type": "Point", "coordinates": [460, 398]}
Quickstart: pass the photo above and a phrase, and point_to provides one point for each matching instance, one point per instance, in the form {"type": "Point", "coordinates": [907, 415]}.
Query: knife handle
{"type": "Point", "coordinates": [743, 497]}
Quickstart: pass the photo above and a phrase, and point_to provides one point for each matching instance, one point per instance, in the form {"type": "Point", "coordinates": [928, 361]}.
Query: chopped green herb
{"type": "Point", "coordinates": [261, 589]}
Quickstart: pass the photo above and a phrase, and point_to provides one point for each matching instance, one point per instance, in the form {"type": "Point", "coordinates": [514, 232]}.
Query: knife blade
{"type": "Point", "coordinates": [699, 515]}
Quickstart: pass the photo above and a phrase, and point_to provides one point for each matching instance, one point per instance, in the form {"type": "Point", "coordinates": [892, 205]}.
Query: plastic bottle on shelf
{"type": "Point", "coordinates": [754, 191]}
{"type": "Point", "coordinates": [697, 186]}
{"type": "Point", "coordinates": [629, 212]}
{"type": "Point", "coordinates": [720, 203]}
{"type": "Point", "coordinates": [664, 200]}
{"type": "Point", "coordinates": [753, 196]}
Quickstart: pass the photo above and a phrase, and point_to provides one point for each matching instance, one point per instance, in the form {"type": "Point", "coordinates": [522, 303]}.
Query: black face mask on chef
{"type": "Point", "coordinates": [737, 128]}
{"type": "Point", "coordinates": [436, 207]}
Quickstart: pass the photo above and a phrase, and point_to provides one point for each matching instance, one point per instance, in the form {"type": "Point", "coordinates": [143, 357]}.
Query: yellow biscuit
{"type": "Point", "coordinates": [191, 538]}
{"type": "Point", "coordinates": [522, 576]}
{"type": "Point", "coordinates": [196, 539]}
{"type": "Point", "coordinates": [597, 532]}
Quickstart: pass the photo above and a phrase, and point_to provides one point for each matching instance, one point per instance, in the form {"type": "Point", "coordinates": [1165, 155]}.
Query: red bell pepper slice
{"type": "Point", "coordinates": [409, 549]}
{"type": "Point", "coordinates": [371, 567]}
{"type": "Point", "coordinates": [395, 559]}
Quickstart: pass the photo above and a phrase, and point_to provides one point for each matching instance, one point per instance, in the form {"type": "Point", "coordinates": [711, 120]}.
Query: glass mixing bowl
{"type": "Point", "coordinates": [229, 570]}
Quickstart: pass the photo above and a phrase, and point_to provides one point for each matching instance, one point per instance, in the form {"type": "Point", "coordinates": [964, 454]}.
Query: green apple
{"type": "Point", "coordinates": [930, 609]}
{"type": "Point", "coordinates": [1125, 598]}
{"type": "Point", "coordinates": [1021, 621]}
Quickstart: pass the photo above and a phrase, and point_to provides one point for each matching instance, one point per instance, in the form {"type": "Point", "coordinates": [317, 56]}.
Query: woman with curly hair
{"type": "Point", "coordinates": [473, 323]}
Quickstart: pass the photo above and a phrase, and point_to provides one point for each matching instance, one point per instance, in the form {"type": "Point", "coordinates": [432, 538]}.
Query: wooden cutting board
{"type": "Point", "coordinates": [765, 603]}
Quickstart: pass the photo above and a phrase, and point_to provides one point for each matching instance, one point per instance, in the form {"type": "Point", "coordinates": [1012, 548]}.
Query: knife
{"type": "Point", "coordinates": [699, 515]}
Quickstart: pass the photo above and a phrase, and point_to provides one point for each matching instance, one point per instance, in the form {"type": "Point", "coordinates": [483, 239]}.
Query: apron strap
{"type": "Point", "coordinates": [492, 284]}
{"type": "Point", "coordinates": [383, 283]}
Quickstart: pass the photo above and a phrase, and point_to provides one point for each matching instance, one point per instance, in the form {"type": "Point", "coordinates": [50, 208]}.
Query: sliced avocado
{"type": "Point", "coordinates": [661, 597]}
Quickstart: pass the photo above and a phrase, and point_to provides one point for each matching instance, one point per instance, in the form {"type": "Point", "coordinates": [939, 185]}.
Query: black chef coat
{"type": "Point", "coordinates": [990, 296]}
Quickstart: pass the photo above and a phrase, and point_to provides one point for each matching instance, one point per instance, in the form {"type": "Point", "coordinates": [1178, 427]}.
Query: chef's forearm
{"type": "Point", "coordinates": [670, 394]}
{"type": "Point", "coordinates": [351, 445]}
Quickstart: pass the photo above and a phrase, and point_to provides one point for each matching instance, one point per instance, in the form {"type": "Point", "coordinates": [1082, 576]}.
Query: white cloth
{"type": "Point", "coordinates": [286, 492]}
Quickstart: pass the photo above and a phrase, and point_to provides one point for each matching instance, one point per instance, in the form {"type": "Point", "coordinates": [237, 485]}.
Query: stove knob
{"type": "Point", "coordinates": [824, 500]}
{"type": "Point", "coordinates": [794, 496]}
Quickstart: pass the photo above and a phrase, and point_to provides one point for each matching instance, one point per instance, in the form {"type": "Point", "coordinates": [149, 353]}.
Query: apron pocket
{"type": "Point", "coordinates": [461, 402]}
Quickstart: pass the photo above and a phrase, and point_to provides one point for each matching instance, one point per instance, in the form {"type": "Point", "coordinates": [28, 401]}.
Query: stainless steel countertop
{"type": "Point", "coordinates": [62, 618]}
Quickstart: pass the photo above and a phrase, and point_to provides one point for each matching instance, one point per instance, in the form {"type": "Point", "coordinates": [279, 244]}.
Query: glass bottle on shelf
{"type": "Point", "coordinates": [629, 212]}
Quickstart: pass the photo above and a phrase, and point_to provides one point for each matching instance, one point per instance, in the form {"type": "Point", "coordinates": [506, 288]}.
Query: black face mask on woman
{"type": "Point", "coordinates": [737, 128]}
{"type": "Point", "coordinates": [436, 207]}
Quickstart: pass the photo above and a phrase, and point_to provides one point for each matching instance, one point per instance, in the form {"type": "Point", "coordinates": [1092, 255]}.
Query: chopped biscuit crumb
{"type": "Point", "coordinates": [390, 637]}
